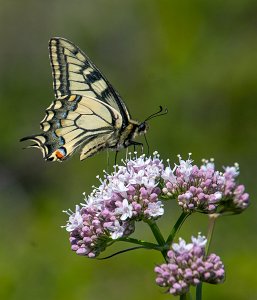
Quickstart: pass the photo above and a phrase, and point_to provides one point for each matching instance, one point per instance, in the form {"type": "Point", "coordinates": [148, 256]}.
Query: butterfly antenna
{"type": "Point", "coordinates": [157, 114]}
{"type": "Point", "coordinates": [148, 148]}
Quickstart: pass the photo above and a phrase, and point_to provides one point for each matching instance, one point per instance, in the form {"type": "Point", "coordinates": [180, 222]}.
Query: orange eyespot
{"type": "Point", "coordinates": [60, 153]}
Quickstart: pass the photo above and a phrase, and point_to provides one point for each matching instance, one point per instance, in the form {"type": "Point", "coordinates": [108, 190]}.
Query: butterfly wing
{"type": "Point", "coordinates": [87, 112]}
{"type": "Point", "coordinates": [74, 73]}
{"type": "Point", "coordinates": [74, 121]}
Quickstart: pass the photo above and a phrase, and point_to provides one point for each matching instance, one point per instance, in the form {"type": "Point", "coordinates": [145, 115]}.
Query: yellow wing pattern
{"type": "Point", "coordinates": [74, 121]}
{"type": "Point", "coordinates": [87, 113]}
{"type": "Point", "coordinates": [74, 73]}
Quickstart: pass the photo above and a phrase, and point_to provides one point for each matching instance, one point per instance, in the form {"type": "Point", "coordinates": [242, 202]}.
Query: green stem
{"type": "Point", "coordinates": [156, 232]}
{"type": "Point", "coordinates": [185, 296]}
{"type": "Point", "coordinates": [140, 242]}
{"type": "Point", "coordinates": [176, 227]}
{"type": "Point", "coordinates": [199, 291]}
{"type": "Point", "coordinates": [212, 220]}
{"type": "Point", "coordinates": [158, 236]}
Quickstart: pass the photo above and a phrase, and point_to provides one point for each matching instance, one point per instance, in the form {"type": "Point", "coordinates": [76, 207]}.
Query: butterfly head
{"type": "Point", "coordinates": [142, 128]}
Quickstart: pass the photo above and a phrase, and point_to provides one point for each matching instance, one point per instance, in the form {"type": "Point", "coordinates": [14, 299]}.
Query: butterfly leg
{"type": "Point", "coordinates": [148, 148]}
{"type": "Point", "coordinates": [108, 160]}
{"type": "Point", "coordinates": [141, 148]}
{"type": "Point", "coordinates": [126, 153]}
{"type": "Point", "coordinates": [137, 144]}
{"type": "Point", "coordinates": [116, 155]}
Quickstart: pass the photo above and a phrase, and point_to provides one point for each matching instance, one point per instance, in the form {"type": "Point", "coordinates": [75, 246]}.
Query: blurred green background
{"type": "Point", "coordinates": [198, 59]}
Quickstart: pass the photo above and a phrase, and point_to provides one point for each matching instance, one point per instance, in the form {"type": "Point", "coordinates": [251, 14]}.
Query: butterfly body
{"type": "Point", "coordinates": [87, 112]}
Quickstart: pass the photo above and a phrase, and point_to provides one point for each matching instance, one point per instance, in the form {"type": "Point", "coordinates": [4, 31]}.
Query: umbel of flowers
{"type": "Point", "coordinates": [136, 191]}
{"type": "Point", "coordinates": [203, 188]}
{"type": "Point", "coordinates": [188, 265]}
{"type": "Point", "coordinates": [131, 193]}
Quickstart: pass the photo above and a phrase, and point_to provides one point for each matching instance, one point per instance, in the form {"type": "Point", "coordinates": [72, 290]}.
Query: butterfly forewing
{"type": "Point", "coordinates": [74, 73]}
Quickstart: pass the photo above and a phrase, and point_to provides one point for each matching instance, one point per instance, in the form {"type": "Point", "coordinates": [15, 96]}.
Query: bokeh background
{"type": "Point", "coordinates": [198, 59]}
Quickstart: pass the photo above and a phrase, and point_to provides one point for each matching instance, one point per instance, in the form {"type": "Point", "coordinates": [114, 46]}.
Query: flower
{"type": "Point", "coordinates": [187, 265]}
{"type": "Point", "coordinates": [204, 189]}
{"type": "Point", "coordinates": [116, 230]}
{"type": "Point", "coordinates": [155, 209]}
{"type": "Point", "coordinates": [75, 219]}
{"type": "Point", "coordinates": [125, 210]}
{"type": "Point", "coordinates": [200, 240]}
{"type": "Point", "coordinates": [182, 247]}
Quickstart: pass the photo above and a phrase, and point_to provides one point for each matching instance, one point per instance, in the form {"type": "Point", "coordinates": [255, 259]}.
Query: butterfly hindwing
{"type": "Point", "coordinates": [74, 73]}
{"type": "Point", "coordinates": [74, 121]}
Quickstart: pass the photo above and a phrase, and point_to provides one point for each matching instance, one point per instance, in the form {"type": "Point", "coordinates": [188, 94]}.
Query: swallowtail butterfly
{"type": "Point", "coordinates": [87, 113]}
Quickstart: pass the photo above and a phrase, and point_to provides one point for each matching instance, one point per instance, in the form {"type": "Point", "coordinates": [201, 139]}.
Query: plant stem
{"type": "Point", "coordinates": [199, 291]}
{"type": "Point", "coordinates": [185, 296]}
{"type": "Point", "coordinates": [156, 232]}
{"type": "Point", "coordinates": [170, 239]}
{"type": "Point", "coordinates": [176, 227]}
{"type": "Point", "coordinates": [140, 242]}
{"type": "Point", "coordinates": [159, 237]}
{"type": "Point", "coordinates": [212, 220]}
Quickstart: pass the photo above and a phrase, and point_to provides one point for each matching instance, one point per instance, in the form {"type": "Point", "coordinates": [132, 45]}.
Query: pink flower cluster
{"type": "Point", "coordinates": [187, 265]}
{"type": "Point", "coordinates": [133, 192]}
{"type": "Point", "coordinates": [203, 188]}
{"type": "Point", "coordinates": [129, 194]}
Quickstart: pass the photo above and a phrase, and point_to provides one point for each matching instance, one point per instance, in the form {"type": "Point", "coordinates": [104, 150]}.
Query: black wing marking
{"type": "Point", "coordinates": [73, 121]}
{"type": "Point", "coordinates": [74, 73]}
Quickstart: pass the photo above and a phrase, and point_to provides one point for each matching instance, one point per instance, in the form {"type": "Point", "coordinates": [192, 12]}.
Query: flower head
{"type": "Point", "coordinates": [203, 188]}
{"type": "Point", "coordinates": [187, 265]}
{"type": "Point", "coordinates": [129, 194]}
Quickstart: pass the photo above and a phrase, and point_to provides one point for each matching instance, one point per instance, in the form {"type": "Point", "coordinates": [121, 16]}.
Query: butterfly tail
{"type": "Point", "coordinates": [38, 142]}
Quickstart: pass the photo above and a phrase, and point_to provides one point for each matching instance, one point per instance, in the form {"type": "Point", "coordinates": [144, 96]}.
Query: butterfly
{"type": "Point", "coordinates": [87, 112]}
